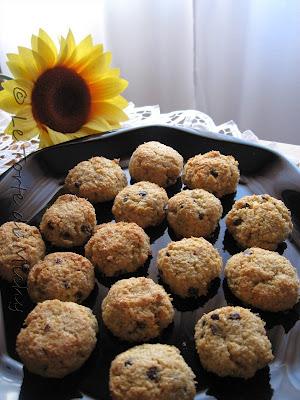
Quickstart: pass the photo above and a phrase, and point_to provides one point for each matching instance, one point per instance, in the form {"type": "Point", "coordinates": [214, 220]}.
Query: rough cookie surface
{"type": "Point", "coordinates": [70, 221]}
{"type": "Point", "coordinates": [157, 163]}
{"type": "Point", "coordinates": [212, 171]}
{"type": "Point", "coordinates": [232, 341]}
{"type": "Point", "coordinates": [57, 339]}
{"type": "Point", "coordinates": [143, 203]}
{"type": "Point", "coordinates": [189, 265]}
{"type": "Point", "coordinates": [194, 213]}
{"type": "Point", "coordinates": [64, 276]}
{"type": "Point", "coordinates": [21, 246]}
{"type": "Point", "coordinates": [98, 179]}
{"type": "Point", "coordinates": [259, 221]}
{"type": "Point", "coordinates": [137, 309]}
{"type": "Point", "coordinates": [263, 279]}
{"type": "Point", "coordinates": [151, 372]}
{"type": "Point", "coordinates": [118, 248]}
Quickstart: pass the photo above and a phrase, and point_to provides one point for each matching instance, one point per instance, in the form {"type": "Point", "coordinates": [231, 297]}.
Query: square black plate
{"type": "Point", "coordinates": [29, 187]}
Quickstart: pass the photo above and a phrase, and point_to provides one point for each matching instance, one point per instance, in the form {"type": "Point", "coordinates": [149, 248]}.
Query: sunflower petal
{"type": "Point", "coordinates": [46, 38]}
{"type": "Point", "coordinates": [109, 112]}
{"type": "Point", "coordinates": [96, 67]}
{"type": "Point", "coordinates": [23, 126]}
{"type": "Point", "coordinates": [98, 124]}
{"type": "Point", "coordinates": [118, 101]}
{"type": "Point", "coordinates": [107, 88]}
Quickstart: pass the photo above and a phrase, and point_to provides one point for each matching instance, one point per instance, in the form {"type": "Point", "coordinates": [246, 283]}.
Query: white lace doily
{"type": "Point", "coordinates": [11, 152]}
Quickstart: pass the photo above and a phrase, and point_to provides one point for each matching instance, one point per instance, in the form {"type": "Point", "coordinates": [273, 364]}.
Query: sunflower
{"type": "Point", "coordinates": [62, 95]}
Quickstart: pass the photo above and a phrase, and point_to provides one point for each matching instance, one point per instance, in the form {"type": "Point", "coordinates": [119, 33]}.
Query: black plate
{"type": "Point", "coordinates": [28, 187]}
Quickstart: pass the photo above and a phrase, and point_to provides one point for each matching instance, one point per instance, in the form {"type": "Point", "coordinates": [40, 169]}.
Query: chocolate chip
{"type": "Point", "coordinates": [234, 316]}
{"type": "Point", "coordinates": [78, 296]}
{"type": "Point", "coordinates": [193, 292]}
{"type": "Point", "coordinates": [237, 221]}
{"type": "Point", "coordinates": [214, 173]}
{"type": "Point", "coordinates": [47, 328]}
{"type": "Point", "coordinates": [128, 363]}
{"type": "Point", "coordinates": [143, 193]}
{"type": "Point", "coordinates": [140, 325]}
{"type": "Point", "coordinates": [181, 206]}
{"type": "Point", "coordinates": [50, 225]}
{"type": "Point", "coordinates": [204, 322]}
{"type": "Point", "coordinates": [248, 252]}
{"type": "Point", "coordinates": [168, 254]}
{"type": "Point", "coordinates": [58, 261]}
{"type": "Point", "coordinates": [77, 184]}
{"type": "Point", "coordinates": [125, 198]}
{"type": "Point", "coordinates": [214, 329]}
{"type": "Point", "coordinates": [66, 284]}
{"type": "Point", "coordinates": [66, 235]}
{"type": "Point", "coordinates": [265, 198]}
{"type": "Point", "coordinates": [246, 205]}
{"type": "Point", "coordinates": [86, 229]}
{"type": "Point", "coordinates": [201, 215]}
{"type": "Point", "coordinates": [25, 268]}
{"type": "Point", "coordinates": [215, 316]}
{"type": "Point", "coordinates": [153, 374]}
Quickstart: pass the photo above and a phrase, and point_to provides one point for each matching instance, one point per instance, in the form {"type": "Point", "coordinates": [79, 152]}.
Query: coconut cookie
{"type": "Point", "coordinates": [137, 309]}
{"type": "Point", "coordinates": [157, 163]}
{"type": "Point", "coordinates": [212, 171]}
{"type": "Point", "coordinates": [151, 372]}
{"type": "Point", "coordinates": [259, 221]}
{"type": "Point", "coordinates": [232, 341]}
{"type": "Point", "coordinates": [189, 265]}
{"type": "Point", "coordinates": [143, 203]}
{"type": "Point", "coordinates": [64, 276]}
{"type": "Point", "coordinates": [98, 179]}
{"type": "Point", "coordinates": [57, 339]}
{"type": "Point", "coordinates": [21, 246]}
{"type": "Point", "coordinates": [263, 279]}
{"type": "Point", "coordinates": [194, 213]}
{"type": "Point", "coordinates": [69, 222]}
{"type": "Point", "coordinates": [118, 248]}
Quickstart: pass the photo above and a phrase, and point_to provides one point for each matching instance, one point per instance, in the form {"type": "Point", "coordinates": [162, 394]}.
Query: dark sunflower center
{"type": "Point", "coordinates": [61, 100]}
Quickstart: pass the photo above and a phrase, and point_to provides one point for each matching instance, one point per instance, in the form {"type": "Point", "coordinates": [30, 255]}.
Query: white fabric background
{"type": "Point", "coordinates": [232, 59]}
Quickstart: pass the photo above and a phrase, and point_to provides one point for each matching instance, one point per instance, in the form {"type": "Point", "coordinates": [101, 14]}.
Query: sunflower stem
{"type": "Point", "coordinates": [5, 77]}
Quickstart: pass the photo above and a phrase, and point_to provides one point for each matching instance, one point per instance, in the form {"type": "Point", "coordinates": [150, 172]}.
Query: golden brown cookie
{"type": "Point", "coordinates": [259, 221]}
{"type": "Point", "coordinates": [21, 246]}
{"type": "Point", "coordinates": [263, 279]}
{"type": "Point", "coordinates": [212, 171]}
{"type": "Point", "coordinates": [232, 341]}
{"type": "Point", "coordinates": [137, 309]}
{"type": "Point", "coordinates": [118, 248]}
{"type": "Point", "coordinates": [157, 163]}
{"type": "Point", "coordinates": [143, 203]}
{"type": "Point", "coordinates": [64, 276]}
{"type": "Point", "coordinates": [151, 372]}
{"type": "Point", "coordinates": [69, 222]}
{"type": "Point", "coordinates": [194, 213]}
{"type": "Point", "coordinates": [98, 179]}
{"type": "Point", "coordinates": [189, 265]}
{"type": "Point", "coordinates": [57, 339]}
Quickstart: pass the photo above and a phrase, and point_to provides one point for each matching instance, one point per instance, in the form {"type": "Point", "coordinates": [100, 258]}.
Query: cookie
{"type": "Point", "coordinates": [259, 221]}
{"type": "Point", "coordinates": [70, 221]}
{"type": "Point", "coordinates": [143, 203]}
{"type": "Point", "coordinates": [137, 309]}
{"type": "Point", "coordinates": [194, 213]}
{"type": "Point", "coordinates": [118, 248]}
{"type": "Point", "coordinates": [98, 179]}
{"type": "Point", "coordinates": [232, 341]}
{"type": "Point", "coordinates": [188, 266]}
{"type": "Point", "coordinates": [157, 163]}
{"type": "Point", "coordinates": [57, 339]}
{"type": "Point", "coordinates": [151, 372]}
{"type": "Point", "coordinates": [21, 246]}
{"type": "Point", "coordinates": [64, 276]}
{"type": "Point", "coordinates": [212, 171]}
{"type": "Point", "coordinates": [263, 279]}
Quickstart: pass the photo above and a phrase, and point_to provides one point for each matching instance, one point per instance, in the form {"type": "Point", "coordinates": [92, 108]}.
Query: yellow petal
{"type": "Point", "coordinates": [46, 38]}
{"type": "Point", "coordinates": [96, 67]}
{"type": "Point", "coordinates": [107, 88]}
{"type": "Point", "coordinates": [82, 50]}
{"type": "Point", "coordinates": [30, 62]}
{"type": "Point", "coordinates": [23, 126]}
{"type": "Point", "coordinates": [109, 112]}
{"type": "Point", "coordinates": [119, 101]}
{"type": "Point", "coordinates": [98, 124]}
